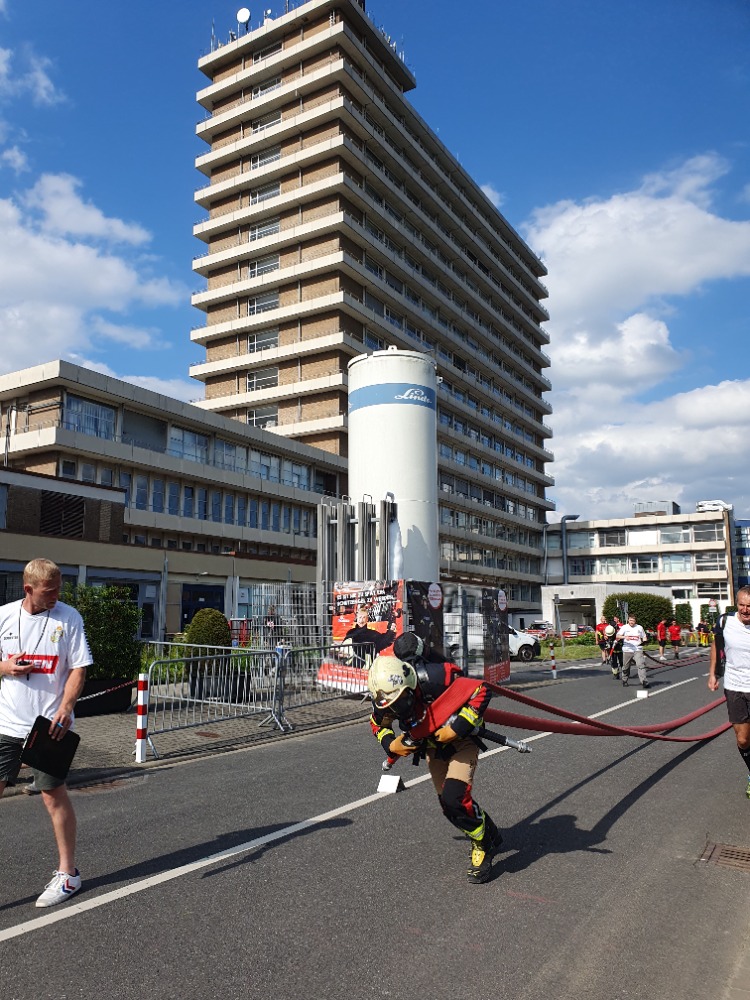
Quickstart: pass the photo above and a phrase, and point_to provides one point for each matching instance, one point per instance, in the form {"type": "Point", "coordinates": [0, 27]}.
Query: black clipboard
{"type": "Point", "coordinates": [45, 754]}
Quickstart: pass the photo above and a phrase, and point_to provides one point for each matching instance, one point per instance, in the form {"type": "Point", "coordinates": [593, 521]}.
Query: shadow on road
{"type": "Point", "coordinates": [197, 852]}
{"type": "Point", "coordinates": [536, 835]}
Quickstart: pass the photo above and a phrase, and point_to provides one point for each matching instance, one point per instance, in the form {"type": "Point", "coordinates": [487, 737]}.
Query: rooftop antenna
{"type": "Point", "coordinates": [243, 17]}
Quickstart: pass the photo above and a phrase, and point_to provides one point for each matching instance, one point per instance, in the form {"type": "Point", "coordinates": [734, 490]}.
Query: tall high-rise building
{"type": "Point", "coordinates": [338, 224]}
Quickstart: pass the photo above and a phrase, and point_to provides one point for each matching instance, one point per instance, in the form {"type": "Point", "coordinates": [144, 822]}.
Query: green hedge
{"type": "Point", "coordinates": [649, 609]}
{"type": "Point", "coordinates": [111, 619]}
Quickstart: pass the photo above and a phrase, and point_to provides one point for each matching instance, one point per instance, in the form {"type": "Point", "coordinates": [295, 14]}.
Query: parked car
{"type": "Point", "coordinates": [542, 630]}
{"type": "Point", "coordinates": [522, 645]}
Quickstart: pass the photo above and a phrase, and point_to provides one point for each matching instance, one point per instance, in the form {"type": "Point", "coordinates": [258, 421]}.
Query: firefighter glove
{"type": "Point", "coordinates": [401, 749]}
{"type": "Point", "coordinates": [445, 734]}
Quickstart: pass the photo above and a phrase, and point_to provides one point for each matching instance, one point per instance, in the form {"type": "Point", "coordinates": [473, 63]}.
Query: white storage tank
{"type": "Point", "coordinates": [393, 448]}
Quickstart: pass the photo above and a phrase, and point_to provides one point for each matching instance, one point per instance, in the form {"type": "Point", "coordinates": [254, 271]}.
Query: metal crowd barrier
{"type": "Point", "coordinates": [315, 674]}
{"type": "Point", "coordinates": [195, 690]}
{"type": "Point", "coordinates": [183, 692]}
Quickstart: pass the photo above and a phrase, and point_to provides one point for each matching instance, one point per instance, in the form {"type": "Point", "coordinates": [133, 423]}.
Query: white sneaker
{"type": "Point", "coordinates": [60, 889]}
{"type": "Point", "coordinates": [662, 657]}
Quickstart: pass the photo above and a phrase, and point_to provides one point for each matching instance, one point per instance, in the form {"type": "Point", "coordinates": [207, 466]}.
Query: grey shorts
{"type": "Point", "coordinates": [10, 765]}
{"type": "Point", "coordinates": [738, 706]}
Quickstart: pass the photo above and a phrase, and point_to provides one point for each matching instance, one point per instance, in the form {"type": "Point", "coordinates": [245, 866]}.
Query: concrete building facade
{"type": "Point", "coordinates": [337, 223]}
{"type": "Point", "coordinates": [691, 555]}
{"type": "Point", "coordinates": [119, 483]}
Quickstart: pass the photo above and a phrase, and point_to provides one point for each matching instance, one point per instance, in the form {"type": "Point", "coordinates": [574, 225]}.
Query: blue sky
{"type": "Point", "coordinates": [615, 137]}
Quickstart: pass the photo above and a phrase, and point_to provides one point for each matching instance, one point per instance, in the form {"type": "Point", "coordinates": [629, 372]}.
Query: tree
{"type": "Point", "coordinates": [649, 609]}
{"type": "Point", "coordinates": [209, 627]}
{"type": "Point", "coordinates": [111, 619]}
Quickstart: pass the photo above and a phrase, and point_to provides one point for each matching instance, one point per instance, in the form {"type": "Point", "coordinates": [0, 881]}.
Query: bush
{"type": "Point", "coordinates": [684, 614]}
{"type": "Point", "coordinates": [649, 609]}
{"type": "Point", "coordinates": [584, 639]}
{"type": "Point", "coordinates": [209, 627]}
{"type": "Point", "coordinates": [111, 619]}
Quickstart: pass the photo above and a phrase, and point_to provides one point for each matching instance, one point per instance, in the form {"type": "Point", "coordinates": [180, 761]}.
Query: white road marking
{"type": "Point", "coordinates": [68, 910]}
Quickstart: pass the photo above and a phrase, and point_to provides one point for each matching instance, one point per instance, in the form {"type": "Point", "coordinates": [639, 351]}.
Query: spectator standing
{"type": "Point", "coordinates": [633, 637]}
{"type": "Point", "coordinates": [661, 637]}
{"type": "Point", "coordinates": [601, 637]}
{"type": "Point", "coordinates": [43, 660]}
{"type": "Point", "coordinates": [675, 637]}
{"type": "Point", "coordinates": [733, 642]}
{"type": "Point", "coordinates": [703, 630]}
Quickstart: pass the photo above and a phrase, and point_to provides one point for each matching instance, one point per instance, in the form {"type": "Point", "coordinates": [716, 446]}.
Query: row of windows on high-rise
{"type": "Point", "coordinates": [468, 490]}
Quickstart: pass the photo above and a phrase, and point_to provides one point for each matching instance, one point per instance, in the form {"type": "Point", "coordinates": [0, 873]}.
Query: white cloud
{"type": "Point", "coordinates": [25, 73]}
{"type": "Point", "coordinates": [607, 257]}
{"type": "Point", "coordinates": [130, 336]}
{"type": "Point", "coordinates": [684, 448]}
{"type": "Point", "coordinates": [618, 269]}
{"type": "Point", "coordinates": [57, 293]}
{"type": "Point", "coordinates": [493, 194]}
{"type": "Point", "coordinates": [15, 159]}
{"type": "Point", "coordinates": [63, 211]}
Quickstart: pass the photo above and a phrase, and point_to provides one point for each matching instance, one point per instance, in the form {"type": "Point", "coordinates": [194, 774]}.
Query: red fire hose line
{"type": "Point", "coordinates": [460, 691]}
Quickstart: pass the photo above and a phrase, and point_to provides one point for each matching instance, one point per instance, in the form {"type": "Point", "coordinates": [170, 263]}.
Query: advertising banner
{"type": "Point", "coordinates": [367, 617]}
{"type": "Point", "coordinates": [495, 635]}
{"type": "Point", "coordinates": [366, 620]}
{"type": "Point", "coordinates": [425, 607]}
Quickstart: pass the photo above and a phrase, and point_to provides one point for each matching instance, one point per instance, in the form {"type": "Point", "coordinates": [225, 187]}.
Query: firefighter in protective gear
{"type": "Point", "coordinates": [400, 693]}
{"type": "Point", "coordinates": [613, 650]}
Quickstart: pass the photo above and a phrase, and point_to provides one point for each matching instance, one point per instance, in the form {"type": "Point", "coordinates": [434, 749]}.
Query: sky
{"type": "Point", "coordinates": [614, 137]}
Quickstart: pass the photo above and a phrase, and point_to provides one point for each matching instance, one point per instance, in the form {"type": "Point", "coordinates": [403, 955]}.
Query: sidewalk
{"type": "Point", "coordinates": [107, 747]}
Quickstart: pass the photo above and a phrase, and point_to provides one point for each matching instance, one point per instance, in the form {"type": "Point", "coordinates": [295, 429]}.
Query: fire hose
{"type": "Point", "coordinates": [452, 699]}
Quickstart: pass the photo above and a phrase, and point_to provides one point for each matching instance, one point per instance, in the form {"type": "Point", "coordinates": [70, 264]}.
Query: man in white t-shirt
{"type": "Point", "coordinates": [736, 645]}
{"type": "Point", "coordinates": [43, 660]}
{"type": "Point", "coordinates": [633, 638]}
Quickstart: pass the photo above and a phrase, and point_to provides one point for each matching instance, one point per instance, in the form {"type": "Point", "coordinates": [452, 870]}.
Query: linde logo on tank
{"type": "Point", "coordinates": [415, 394]}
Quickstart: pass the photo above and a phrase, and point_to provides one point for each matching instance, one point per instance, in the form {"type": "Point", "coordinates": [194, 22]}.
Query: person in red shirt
{"type": "Point", "coordinates": [675, 637]}
{"type": "Point", "coordinates": [661, 637]}
{"type": "Point", "coordinates": [601, 638]}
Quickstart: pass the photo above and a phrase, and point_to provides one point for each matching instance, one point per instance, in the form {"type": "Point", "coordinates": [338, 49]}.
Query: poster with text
{"type": "Point", "coordinates": [367, 618]}
{"type": "Point", "coordinates": [495, 635]}
{"type": "Point", "coordinates": [425, 606]}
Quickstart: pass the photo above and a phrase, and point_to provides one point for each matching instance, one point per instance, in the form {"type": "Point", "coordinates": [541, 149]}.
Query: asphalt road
{"type": "Point", "coordinates": [324, 889]}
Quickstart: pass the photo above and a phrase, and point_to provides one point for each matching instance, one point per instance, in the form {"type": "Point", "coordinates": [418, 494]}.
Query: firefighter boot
{"type": "Point", "coordinates": [483, 851]}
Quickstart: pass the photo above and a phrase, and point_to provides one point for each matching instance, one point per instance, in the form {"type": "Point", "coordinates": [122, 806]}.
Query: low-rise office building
{"type": "Point", "coordinates": [690, 557]}
{"type": "Point", "coordinates": [121, 484]}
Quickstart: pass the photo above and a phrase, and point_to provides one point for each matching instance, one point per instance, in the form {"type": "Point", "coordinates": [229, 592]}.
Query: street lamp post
{"type": "Point", "coordinates": [563, 542]}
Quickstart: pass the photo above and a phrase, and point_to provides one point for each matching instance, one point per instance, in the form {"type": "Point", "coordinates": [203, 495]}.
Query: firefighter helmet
{"type": "Point", "coordinates": [388, 678]}
{"type": "Point", "coordinates": [609, 631]}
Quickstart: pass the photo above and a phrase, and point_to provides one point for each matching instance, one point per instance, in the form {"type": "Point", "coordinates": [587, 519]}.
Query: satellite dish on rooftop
{"type": "Point", "coordinates": [243, 15]}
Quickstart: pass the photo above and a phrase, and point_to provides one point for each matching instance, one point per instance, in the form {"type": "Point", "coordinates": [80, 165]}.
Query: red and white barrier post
{"type": "Point", "coordinates": [141, 732]}
{"type": "Point", "coordinates": [552, 658]}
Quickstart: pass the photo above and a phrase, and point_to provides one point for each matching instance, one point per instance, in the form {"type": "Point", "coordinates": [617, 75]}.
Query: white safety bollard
{"type": "Point", "coordinates": [141, 731]}
{"type": "Point", "coordinates": [552, 658]}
